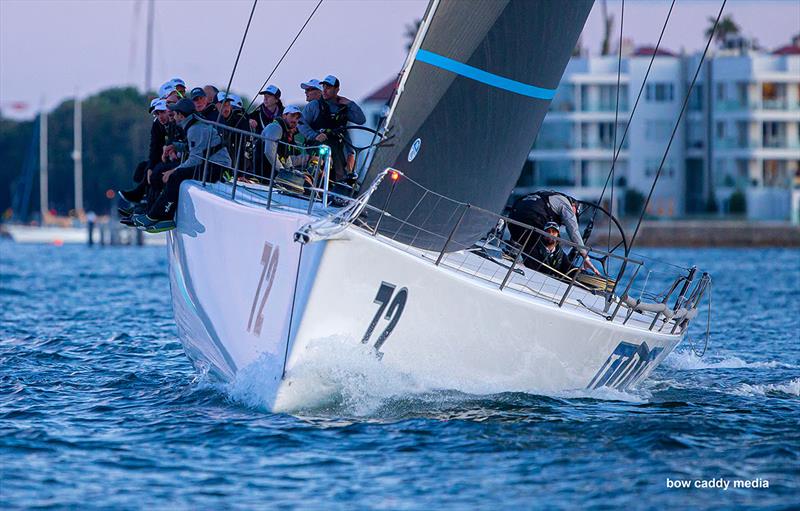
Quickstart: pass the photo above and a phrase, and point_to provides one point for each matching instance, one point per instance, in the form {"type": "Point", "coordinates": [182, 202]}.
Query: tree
{"type": "Point", "coordinates": [116, 129]}
{"type": "Point", "coordinates": [726, 27]}
{"type": "Point", "coordinates": [411, 33]}
{"type": "Point", "coordinates": [737, 204]}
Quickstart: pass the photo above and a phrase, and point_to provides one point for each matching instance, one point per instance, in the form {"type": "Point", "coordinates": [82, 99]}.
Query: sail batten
{"type": "Point", "coordinates": [482, 76]}
{"type": "Point", "coordinates": [473, 96]}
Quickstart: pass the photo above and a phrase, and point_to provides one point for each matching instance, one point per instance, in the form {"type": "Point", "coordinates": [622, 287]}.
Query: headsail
{"type": "Point", "coordinates": [472, 98]}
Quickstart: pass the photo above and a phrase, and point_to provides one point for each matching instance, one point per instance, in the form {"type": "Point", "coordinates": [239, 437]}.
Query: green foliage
{"type": "Point", "coordinates": [737, 203]}
{"type": "Point", "coordinates": [116, 133]}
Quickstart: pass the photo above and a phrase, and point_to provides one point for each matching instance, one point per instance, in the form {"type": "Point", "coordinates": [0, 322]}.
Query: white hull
{"type": "Point", "coordinates": [47, 234]}
{"type": "Point", "coordinates": [244, 291]}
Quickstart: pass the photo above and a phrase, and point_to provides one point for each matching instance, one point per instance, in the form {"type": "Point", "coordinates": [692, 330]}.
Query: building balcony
{"type": "Point", "coordinates": [604, 106]}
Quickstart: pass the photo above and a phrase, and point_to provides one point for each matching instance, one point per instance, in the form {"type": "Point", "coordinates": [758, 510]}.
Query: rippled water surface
{"type": "Point", "coordinates": [99, 408]}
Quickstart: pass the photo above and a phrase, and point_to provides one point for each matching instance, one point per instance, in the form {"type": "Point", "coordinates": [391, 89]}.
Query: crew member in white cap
{"type": "Point", "coordinates": [158, 139]}
{"type": "Point", "coordinates": [231, 114]}
{"type": "Point", "coordinates": [313, 89]}
{"type": "Point", "coordinates": [279, 138]}
{"type": "Point", "coordinates": [180, 86]}
{"type": "Point", "coordinates": [323, 121]}
{"type": "Point", "coordinates": [271, 108]}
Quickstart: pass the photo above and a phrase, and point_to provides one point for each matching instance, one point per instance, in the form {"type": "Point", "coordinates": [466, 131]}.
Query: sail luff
{"type": "Point", "coordinates": [412, 54]}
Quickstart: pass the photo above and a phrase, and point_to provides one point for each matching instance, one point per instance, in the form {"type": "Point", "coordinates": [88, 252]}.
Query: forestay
{"type": "Point", "coordinates": [476, 89]}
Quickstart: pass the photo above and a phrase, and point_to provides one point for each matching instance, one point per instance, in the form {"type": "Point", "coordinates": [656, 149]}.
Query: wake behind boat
{"type": "Point", "coordinates": [418, 267]}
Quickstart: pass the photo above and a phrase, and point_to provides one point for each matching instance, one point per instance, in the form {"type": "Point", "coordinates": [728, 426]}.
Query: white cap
{"type": "Point", "coordinates": [311, 84]}
{"type": "Point", "coordinates": [166, 89]}
{"type": "Point", "coordinates": [330, 80]}
{"type": "Point", "coordinates": [236, 101]}
{"type": "Point", "coordinates": [271, 89]}
{"type": "Point", "coordinates": [291, 109]}
{"type": "Point", "coordinates": [158, 105]}
{"type": "Point", "coordinates": [177, 81]}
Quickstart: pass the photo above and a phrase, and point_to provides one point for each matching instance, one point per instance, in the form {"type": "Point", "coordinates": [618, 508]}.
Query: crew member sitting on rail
{"type": "Point", "coordinates": [271, 108]}
{"type": "Point", "coordinates": [130, 199]}
{"type": "Point", "coordinates": [323, 121]}
{"type": "Point", "coordinates": [231, 114]}
{"type": "Point", "coordinates": [211, 93]}
{"type": "Point", "coordinates": [180, 87]}
{"type": "Point", "coordinates": [202, 105]}
{"type": "Point", "coordinates": [547, 257]}
{"type": "Point", "coordinates": [313, 90]}
{"type": "Point", "coordinates": [538, 209]}
{"type": "Point", "coordinates": [279, 138]}
{"type": "Point", "coordinates": [202, 139]}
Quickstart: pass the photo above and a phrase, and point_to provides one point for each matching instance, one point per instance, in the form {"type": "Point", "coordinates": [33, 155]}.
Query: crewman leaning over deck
{"type": "Point", "coordinates": [201, 139]}
{"type": "Point", "coordinates": [322, 122]}
{"type": "Point", "coordinates": [547, 257]}
{"type": "Point", "coordinates": [538, 209]}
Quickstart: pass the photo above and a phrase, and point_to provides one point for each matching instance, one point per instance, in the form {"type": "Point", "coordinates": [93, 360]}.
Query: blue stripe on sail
{"type": "Point", "coordinates": [484, 77]}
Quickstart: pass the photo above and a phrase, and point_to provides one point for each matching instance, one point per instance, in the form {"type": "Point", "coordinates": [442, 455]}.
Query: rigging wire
{"type": "Point", "coordinates": [241, 46]}
{"type": "Point", "coordinates": [677, 123]}
{"type": "Point", "coordinates": [635, 106]}
{"type": "Point", "coordinates": [252, 102]}
{"type": "Point", "coordinates": [616, 119]}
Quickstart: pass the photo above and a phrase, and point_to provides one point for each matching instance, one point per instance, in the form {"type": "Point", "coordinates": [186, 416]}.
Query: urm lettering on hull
{"type": "Point", "coordinates": [625, 366]}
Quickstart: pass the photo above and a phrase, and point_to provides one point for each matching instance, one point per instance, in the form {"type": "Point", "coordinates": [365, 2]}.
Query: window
{"type": "Point", "coordinates": [657, 130]}
{"type": "Point", "coordinates": [555, 173]}
{"type": "Point", "coordinates": [660, 92]}
{"type": "Point", "coordinates": [651, 167]}
{"type": "Point", "coordinates": [696, 98]}
{"type": "Point", "coordinates": [720, 130]}
{"type": "Point", "coordinates": [774, 134]}
{"type": "Point", "coordinates": [720, 91]}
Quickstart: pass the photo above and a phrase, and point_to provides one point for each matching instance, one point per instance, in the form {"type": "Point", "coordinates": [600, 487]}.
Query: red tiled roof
{"type": "Point", "coordinates": [384, 92]}
{"type": "Point", "coordinates": [789, 49]}
{"type": "Point", "coordinates": [647, 51]}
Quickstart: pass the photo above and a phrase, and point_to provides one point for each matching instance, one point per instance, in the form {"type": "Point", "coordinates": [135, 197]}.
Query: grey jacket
{"type": "Point", "coordinates": [272, 133]}
{"type": "Point", "coordinates": [198, 137]}
{"type": "Point", "coordinates": [311, 114]}
{"type": "Point", "coordinates": [562, 206]}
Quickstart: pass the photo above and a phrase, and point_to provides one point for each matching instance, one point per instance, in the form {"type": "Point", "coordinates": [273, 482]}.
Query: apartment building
{"type": "Point", "coordinates": [737, 147]}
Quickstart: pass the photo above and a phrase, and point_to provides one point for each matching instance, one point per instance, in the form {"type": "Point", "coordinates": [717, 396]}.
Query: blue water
{"type": "Point", "coordinates": [99, 408]}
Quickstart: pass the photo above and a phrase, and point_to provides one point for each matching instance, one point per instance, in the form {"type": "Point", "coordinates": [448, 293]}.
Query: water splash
{"type": "Point", "coordinates": [689, 361]}
{"type": "Point", "coordinates": [791, 387]}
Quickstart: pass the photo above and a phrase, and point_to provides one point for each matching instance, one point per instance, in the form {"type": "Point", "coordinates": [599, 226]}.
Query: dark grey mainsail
{"type": "Point", "coordinates": [475, 93]}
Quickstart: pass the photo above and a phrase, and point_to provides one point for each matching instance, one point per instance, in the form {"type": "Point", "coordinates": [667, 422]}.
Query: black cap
{"type": "Point", "coordinates": [184, 106]}
{"type": "Point", "coordinates": [197, 92]}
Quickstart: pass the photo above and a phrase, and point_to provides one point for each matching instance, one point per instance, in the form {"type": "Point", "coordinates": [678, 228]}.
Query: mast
{"type": "Point", "coordinates": [148, 58]}
{"type": "Point", "coordinates": [412, 56]}
{"type": "Point", "coordinates": [77, 157]}
{"type": "Point", "coordinates": [43, 199]}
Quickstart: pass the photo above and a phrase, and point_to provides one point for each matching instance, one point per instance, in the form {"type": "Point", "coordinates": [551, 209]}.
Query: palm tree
{"type": "Point", "coordinates": [725, 28]}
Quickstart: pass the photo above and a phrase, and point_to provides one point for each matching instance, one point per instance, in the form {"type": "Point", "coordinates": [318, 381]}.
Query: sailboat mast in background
{"type": "Point", "coordinates": [43, 198]}
{"type": "Point", "coordinates": [77, 157]}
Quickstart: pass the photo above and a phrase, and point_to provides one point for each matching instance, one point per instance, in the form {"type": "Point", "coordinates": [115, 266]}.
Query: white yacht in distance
{"type": "Point", "coordinates": [414, 269]}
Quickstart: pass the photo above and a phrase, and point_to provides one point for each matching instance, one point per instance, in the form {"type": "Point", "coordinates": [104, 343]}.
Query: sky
{"type": "Point", "coordinates": [51, 50]}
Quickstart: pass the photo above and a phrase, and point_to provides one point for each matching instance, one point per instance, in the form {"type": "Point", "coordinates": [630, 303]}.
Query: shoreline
{"type": "Point", "coordinates": [709, 233]}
